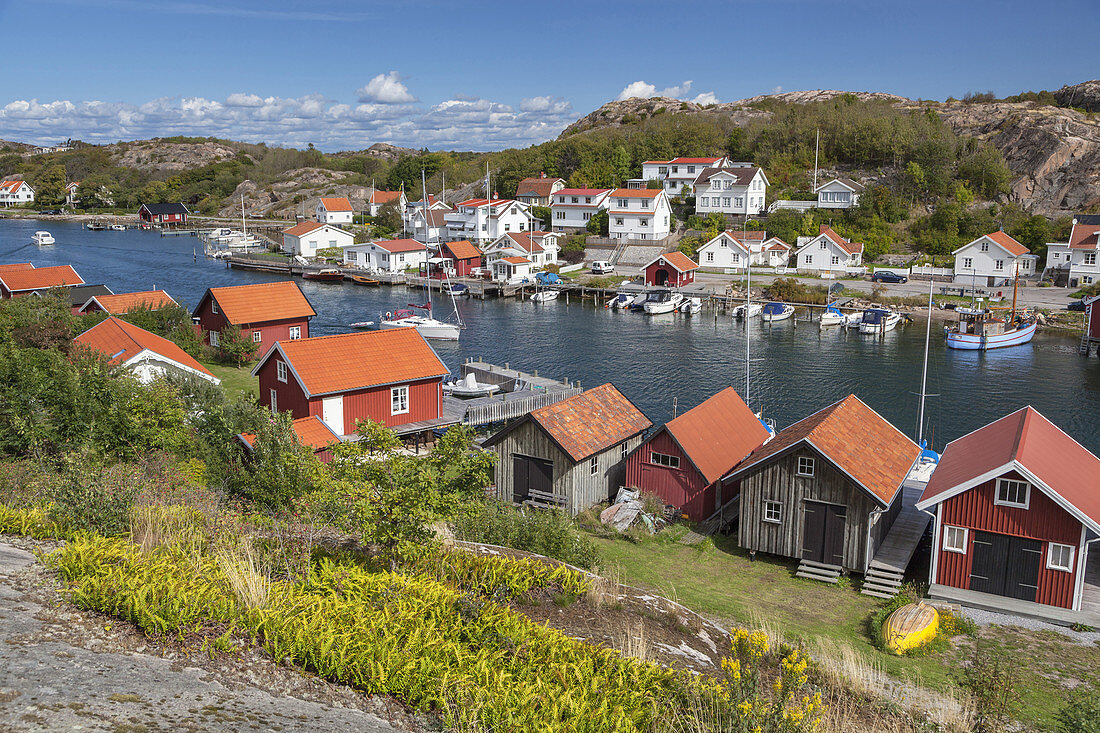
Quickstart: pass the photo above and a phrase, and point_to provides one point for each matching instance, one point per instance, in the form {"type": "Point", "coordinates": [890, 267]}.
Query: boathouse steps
{"type": "Point", "coordinates": [818, 571]}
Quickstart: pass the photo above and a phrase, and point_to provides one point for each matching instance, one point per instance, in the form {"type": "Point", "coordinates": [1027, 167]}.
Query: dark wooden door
{"type": "Point", "coordinates": [823, 533]}
{"type": "Point", "coordinates": [1005, 566]}
{"type": "Point", "coordinates": [531, 474]}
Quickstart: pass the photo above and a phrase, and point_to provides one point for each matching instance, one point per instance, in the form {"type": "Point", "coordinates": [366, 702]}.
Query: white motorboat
{"type": "Point", "coordinates": [428, 327]}
{"type": "Point", "coordinates": [852, 320]}
{"type": "Point", "coordinates": [469, 387]}
{"type": "Point", "coordinates": [777, 312]}
{"type": "Point", "coordinates": [42, 237]}
{"type": "Point", "coordinates": [117, 227]}
{"type": "Point", "coordinates": [544, 296]}
{"type": "Point", "coordinates": [665, 302]}
{"type": "Point", "coordinates": [878, 320]}
{"type": "Point", "coordinates": [621, 300]}
{"type": "Point", "coordinates": [691, 306]}
{"type": "Point", "coordinates": [748, 310]}
{"type": "Point", "coordinates": [832, 317]}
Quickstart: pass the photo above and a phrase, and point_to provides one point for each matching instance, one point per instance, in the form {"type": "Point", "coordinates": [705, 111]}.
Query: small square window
{"type": "Point", "coordinates": [954, 539]}
{"type": "Point", "coordinates": [257, 337]}
{"type": "Point", "coordinates": [280, 371]}
{"type": "Point", "coordinates": [594, 465]}
{"type": "Point", "coordinates": [1060, 557]}
{"type": "Point", "coordinates": [805, 466]}
{"type": "Point", "coordinates": [1013, 493]}
{"type": "Point", "coordinates": [773, 512]}
{"type": "Point", "coordinates": [295, 332]}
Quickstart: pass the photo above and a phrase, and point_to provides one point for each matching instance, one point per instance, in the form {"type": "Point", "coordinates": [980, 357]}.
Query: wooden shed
{"type": "Point", "coordinates": [672, 269]}
{"type": "Point", "coordinates": [827, 489]}
{"type": "Point", "coordinates": [569, 454]}
{"type": "Point", "coordinates": [1091, 337]}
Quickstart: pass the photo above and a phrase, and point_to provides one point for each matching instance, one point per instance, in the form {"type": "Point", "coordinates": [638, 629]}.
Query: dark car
{"type": "Point", "coordinates": [50, 211]}
{"type": "Point", "coordinates": [885, 276]}
{"type": "Point", "coordinates": [1077, 305]}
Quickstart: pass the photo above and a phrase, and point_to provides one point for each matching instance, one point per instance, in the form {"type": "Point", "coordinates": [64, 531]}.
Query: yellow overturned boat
{"type": "Point", "coordinates": [909, 627]}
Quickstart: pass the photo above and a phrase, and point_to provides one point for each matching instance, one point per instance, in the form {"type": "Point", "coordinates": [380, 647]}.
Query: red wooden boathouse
{"type": "Point", "coordinates": [683, 461]}
{"type": "Point", "coordinates": [672, 269]}
{"type": "Point", "coordinates": [269, 312]}
{"type": "Point", "coordinates": [1017, 509]}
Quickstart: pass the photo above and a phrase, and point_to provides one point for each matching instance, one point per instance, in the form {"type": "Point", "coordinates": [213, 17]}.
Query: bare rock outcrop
{"type": "Point", "coordinates": [160, 155]}
{"type": "Point", "coordinates": [1085, 95]}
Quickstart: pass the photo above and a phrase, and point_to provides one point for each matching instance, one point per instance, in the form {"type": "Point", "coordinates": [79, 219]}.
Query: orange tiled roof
{"type": "Point", "coordinates": [37, 278]}
{"type": "Point", "coordinates": [304, 228]}
{"type": "Point", "coordinates": [385, 197]}
{"type": "Point", "coordinates": [677, 259]}
{"type": "Point", "coordinates": [311, 431]}
{"type": "Point", "coordinates": [463, 250]}
{"type": "Point", "coordinates": [336, 204]}
{"type": "Point", "coordinates": [1083, 234]}
{"type": "Point", "coordinates": [516, 260]}
{"type": "Point", "coordinates": [120, 341]}
{"type": "Point", "coordinates": [122, 303]}
{"type": "Point", "coordinates": [345, 362]}
{"type": "Point", "coordinates": [718, 433]}
{"type": "Point", "coordinates": [11, 186]}
{"type": "Point", "coordinates": [16, 266]}
{"type": "Point", "coordinates": [261, 302]}
{"type": "Point", "coordinates": [874, 453]}
{"type": "Point", "coordinates": [592, 421]}
{"type": "Point", "coordinates": [400, 245]}
{"type": "Point", "coordinates": [537, 186]}
{"type": "Point", "coordinates": [635, 193]}
{"type": "Point", "coordinates": [1014, 248]}
{"type": "Point", "coordinates": [526, 241]}
{"type": "Point", "coordinates": [849, 247]}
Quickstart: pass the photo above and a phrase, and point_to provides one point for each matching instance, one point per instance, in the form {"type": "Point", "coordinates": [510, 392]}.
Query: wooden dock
{"type": "Point", "coordinates": [887, 569]}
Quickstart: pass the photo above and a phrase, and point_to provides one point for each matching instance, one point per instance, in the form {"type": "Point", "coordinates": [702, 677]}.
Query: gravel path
{"type": "Point", "coordinates": [992, 618]}
{"type": "Point", "coordinates": [65, 669]}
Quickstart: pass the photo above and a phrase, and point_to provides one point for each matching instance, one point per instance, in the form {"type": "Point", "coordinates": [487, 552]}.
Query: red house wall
{"type": "Point", "coordinates": [289, 394]}
{"type": "Point", "coordinates": [270, 331]}
{"type": "Point", "coordinates": [463, 267]}
{"type": "Point", "coordinates": [675, 277]}
{"type": "Point", "coordinates": [1094, 320]}
{"type": "Point", "coordinates": [683, 487]}
{"type": "Point", "coordinates": [425, 403]}
{"type": "Point", "coordinates": [1043, 520]}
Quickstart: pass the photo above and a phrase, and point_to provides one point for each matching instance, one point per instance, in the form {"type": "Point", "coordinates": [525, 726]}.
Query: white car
{"type": "Point", "coordinates": [602, 267]}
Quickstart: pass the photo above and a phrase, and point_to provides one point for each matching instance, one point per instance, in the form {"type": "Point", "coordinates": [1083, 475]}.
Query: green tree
{"type": "Point", "coordinates": [234, 347]}
{"type": "Point", "coordinates": [986, 172]}
{"type": "Point", "coordinates": [389, 218]}
{"type": "Point", "coordinates": [600, 223]}
{"type": "Point", "coordinates": [96, 191]}
{"type": "Point", "coordinates": [543, 216]}
{"type": "Point", "coordinates": [277, 469]}
{"type": "Point", "coordinates": [49, 187]}
{"type": "Point", "coordinates": [1082, 713]}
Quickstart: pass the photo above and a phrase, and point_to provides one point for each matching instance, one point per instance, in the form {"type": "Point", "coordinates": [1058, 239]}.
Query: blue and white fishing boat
{"type": "Point", "coordinates": [777, 312]}
{"type": "Point", "coordinates": [621, 300]}
{"type": "Point", "coordinates": [978, 329]}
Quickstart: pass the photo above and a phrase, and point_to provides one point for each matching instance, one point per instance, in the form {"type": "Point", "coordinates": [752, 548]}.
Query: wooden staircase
{"type": "Point", "coordinates": [818, 571]}
{"type": "Point", "coordinates": [881, 582]}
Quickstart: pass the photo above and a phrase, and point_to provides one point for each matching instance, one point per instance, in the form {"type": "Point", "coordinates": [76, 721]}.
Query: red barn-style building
{"type": "Point", "coordinates": [392, 377]}
{"type": "Point", "coordinates": [466, 256]}
{"type": "Point", "coordinates": [672, 269]}
{"type": "Point", "coordinates": [684, 460]}
{"type": "Point", "coordinates": [171, 214]}
{"type": "Point", "coordinates": [311, 431]}
{"type": "Point", "coordinates": [269, 312]}
{"type": "Point", "coordinates": [1017, 516]}
{"type": "Point", "coordinates": [1092, 325]}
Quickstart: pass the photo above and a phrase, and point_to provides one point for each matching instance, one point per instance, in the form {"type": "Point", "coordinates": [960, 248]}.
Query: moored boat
{"type": "Point", "coordinates": [748, 310]}
{"type": "Point", "coordinates": [544, 296]}
{"type": "Point", "coordinates": [456, 288]}
{"type": "Point", "coordinates": [362, 280]}
{"type": "Point", "coordinates": [428, 327]}
{"type": "Point", "coordinates": [831, 317]}
{"type": "Point", "coordinates": [665, 301]}
{"type": "Point", "coordinates": [978, 329]}
{"type": "Point", "coordinates": [777, 312]}
{"type": "Point", "coordinates": [328, 275]}
{"type": "Point", "coordinates": [691, 306]}
{"type": "Point", "coordinates": [42, 237]}
{"type": "Point", "coordinates": [469, 387]}
{"type": "Point", "coordinates": [621, 300]}
{"type": "Point", "coordinates": [641, 299]}
{"type": "Point", "coordinates": [878, 320]}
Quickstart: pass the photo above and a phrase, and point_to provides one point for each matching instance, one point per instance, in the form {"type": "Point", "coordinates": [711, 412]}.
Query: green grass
{"type": "Point", "coordinates": [719, 580]}
{"type": "Point", "coordinates": [234, 381]}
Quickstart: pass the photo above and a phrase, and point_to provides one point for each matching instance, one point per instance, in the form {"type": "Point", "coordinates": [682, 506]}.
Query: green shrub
{"type": "Point", "coordinates": [790, 290]}
{"type": "Point", "coordinates": [91, 497]}
{"type": "Point", "coordinates": [994, 686]}
{"type": "Point", "coordinates": [1082, 713]}
{"type": "Point", "coordinates": [546, 532]}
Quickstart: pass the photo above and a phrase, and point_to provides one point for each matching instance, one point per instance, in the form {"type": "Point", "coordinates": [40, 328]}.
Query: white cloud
{"type": "Point", "coordinates": [459, 123]}
{"type": "Point", "coordinates": [705, 98]}
{"type": "Point", "coordinates": [680, 91]}
{"type": "Point", "coordinates": [386, 89]}
{"type": "Point", "coordinates": [777, 90]}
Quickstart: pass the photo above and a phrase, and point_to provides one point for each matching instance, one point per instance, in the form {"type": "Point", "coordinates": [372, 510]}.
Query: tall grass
{"type": "Point", "coordinates": [543, 531]}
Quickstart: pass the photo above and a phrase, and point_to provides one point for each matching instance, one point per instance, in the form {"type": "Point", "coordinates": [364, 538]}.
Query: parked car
{"type": "Point", "coordinates": [602, 267]}
{"type": "Point", "coordinates": [1077, 305]}
{"type": "Point", "coordinates": [885, 276]}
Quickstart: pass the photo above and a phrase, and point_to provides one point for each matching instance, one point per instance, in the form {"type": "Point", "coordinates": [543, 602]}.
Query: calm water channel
{"type": "Point", "coordinates": [653, 360]}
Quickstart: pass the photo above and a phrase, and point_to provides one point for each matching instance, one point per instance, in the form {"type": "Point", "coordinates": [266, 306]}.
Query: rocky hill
{"type": "Point", "coordinates": [1085, 95]}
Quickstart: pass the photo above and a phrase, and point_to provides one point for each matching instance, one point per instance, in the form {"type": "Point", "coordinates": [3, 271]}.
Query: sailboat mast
{"type": "Point", "coordinates": [817, 147]}
{"type": "Point", "coordinates": [924, 369]}
{"type": "Point", "coordinates": [244, 226]}
{"type": "Point", "coordinates": [748, 341]}
{"type": "Point", "coordinates": [1015, 282]}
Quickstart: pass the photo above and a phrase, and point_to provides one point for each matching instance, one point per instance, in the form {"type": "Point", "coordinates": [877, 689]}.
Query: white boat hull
{"type": "Point", "coordinates": [831, 319]}
{"type": "Point", "coordinates": [972, 342]}
{"type": "Point", "coordinates": [429, 328]}
{"type": "Point", "coordinates": [749, 310]}
{"type": "Point", "coordinates": [890, 323]}
{"type": "Point", "coordinates": [544, 296]}
{"type": "Point", "coordinates": [781, 316]}
{"type": "Point", "coordinates": [665, 306]}
{"type": "Point", "coordinates": [43, 238]}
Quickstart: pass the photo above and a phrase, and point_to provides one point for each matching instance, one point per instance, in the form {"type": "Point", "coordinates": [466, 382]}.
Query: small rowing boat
{"type": "Point", "coordinates": [328, 275]}
{"type": "Point", "coordinates": [361, 280]}
{"type": "Point", "coordinates": [909, 627]}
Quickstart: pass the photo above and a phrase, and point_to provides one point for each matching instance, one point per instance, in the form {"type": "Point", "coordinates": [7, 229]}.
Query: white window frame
{"type": "Point", "coordinates": [214, 338]}
{"type": "Point", "coordinates": [773, 512]}
{"type": "Point", "coordinates": [1090, 258]}
{"type": "Point", "coordinates": [594, 465]}
{"type": "Point", "coordinates": [295, 333]}
{"type": "Point", "coordinates": [1052, 565]}
{"type": "Point", "coordinates": [803, 463]}
{"type": "Point", "coordinates": [280, 371]}
{"type": "Point", "coordinates": [274, 395]}
{"type": "Point", "coordinates": [257, 337]}
{"type": "Point", "coordinates": [623, 451]}
{"type": "Point", "coordinates": [214, 306]}
{"type": "Point", "coordinates": [399, 399]}
{"type": "Point", "coordinates": [999, 264]}
{"type": "Point", "coordinates": [968, 263]}
{"type": "Point", "coordinates": [960, 535]}
{"type": "Point", "coordinates": [1000, 502]}
{"type": "Point", "coordinates": [670, 461]}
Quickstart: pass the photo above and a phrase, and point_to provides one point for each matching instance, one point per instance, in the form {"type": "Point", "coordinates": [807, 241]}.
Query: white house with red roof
{"type": "Point", "coordinates": [71, 196]}
{"type": "Point", "coordinates": [679, 174]}
{"type": "Point", "coordinates": [828, 252]}
{"type": "Point", "coordinates": [639, 214]}
{"type": "Point", "coordinates": [737, 189]}
{"type": "Point", "coordinates": [426, 224]}
{"type": "Point", "coordinates": [572, 208]}
{"type": "Point", "coordinates": [1077, 260]}
{"type": "Point", "coordinates": [306, 238]}
{"type": "Point", "coordinates": [992, 259]}
{"type": "Point", "coordinates": [725, 250]}
{"type": "Point", "coordinates": [387, 255]}
{"type": "Point", "coordinates": [484, 220]}
{"type": "Point", "coordinates": [513, 269]}
{"type": "Point", "coordinates": [146, 355]}
{"type": "Point", "coordinates": [1016, 508]}
{"type": "Point", "coordinates": [378, 199]}
{"type": "Point", "coordinates": [334, 211]}
{"type": "Point", "coordinates": [15, 192]}
{"type": "Point", "coordinates": [541, 248]}
{"type": "Point", "coordinates": [537, 190]}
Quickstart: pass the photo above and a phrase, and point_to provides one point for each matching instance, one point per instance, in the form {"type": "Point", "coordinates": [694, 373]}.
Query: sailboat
{"type": "Point", "coordinates": [928, 459]}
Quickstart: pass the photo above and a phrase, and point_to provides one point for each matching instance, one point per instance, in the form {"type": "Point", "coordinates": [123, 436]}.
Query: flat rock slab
{"type": "Point", "coordinates": [53, 685]}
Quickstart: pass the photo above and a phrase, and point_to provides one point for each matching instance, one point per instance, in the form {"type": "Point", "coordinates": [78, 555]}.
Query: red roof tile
{"type": "Point", "coordinates": [717, 434]}
{"type": "Point", "coordinates": [677, 259]}
{"type": "Point", "coordinates": [120, 341]}
{"type": "Point", "coordinates": [311, 431]}
{"type": "Point", "coordinates": [849, 247]}
{"type": "Point", "coordinates": [516, 260]}
{"type": "Point", "coordinates": [261, 302]}
{"type": "Point", "coordinates": [1083, 235]}
{"type": "Point", "coordinates": [581, 191]}
{"type": "Point", "coordinates": [304, 228]}
{"type": "Point", "coordinates": [1028, 440]}
{"type": "Point", "coordinates": [1014, 248]}
{"type": "Point", "coordinates": [385, 197]}
{"type": "Point", "coordinates": [592, 421]}
{"type": "Point", "coordinates": [400, 245]}
{"type": "Point", "coordinates": [862, 444]}
{"type": "Point", "coordinates": [537, 186]}
{"type": "Point", "coordinates": [11, 186]}
{"type": "Point", "coordinates": [635, 193]}
{"type": "Point", "coordinates": [38, 278]}
{"type": "Point", "coordinates": [336, 204]}
{"type": "Point", "coordinates": [122, 303]}
{"type": "Point", "coordinates": [525, 241]}
{"type": "Point", "coordinates": [16, 266]}
{"type": "Point", "coordinates": [463, 250]}
{"type": "Point", "coordinates": [350, 361]}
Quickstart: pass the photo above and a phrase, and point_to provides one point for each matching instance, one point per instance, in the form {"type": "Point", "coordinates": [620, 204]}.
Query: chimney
{"type": "Point", "coordinates": [542, 174]}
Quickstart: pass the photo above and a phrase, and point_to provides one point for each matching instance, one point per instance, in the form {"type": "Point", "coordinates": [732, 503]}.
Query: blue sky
{"type": "Point", "coordinates": [486, 75]}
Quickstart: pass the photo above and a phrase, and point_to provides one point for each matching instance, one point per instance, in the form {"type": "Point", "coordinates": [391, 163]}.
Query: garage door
{"type": "Point", "coordinates": [1006, 566]}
